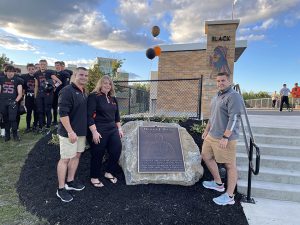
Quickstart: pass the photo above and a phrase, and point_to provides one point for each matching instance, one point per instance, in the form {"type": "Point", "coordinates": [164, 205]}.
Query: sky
{"type": "Point", "coordinates": [77, 32]}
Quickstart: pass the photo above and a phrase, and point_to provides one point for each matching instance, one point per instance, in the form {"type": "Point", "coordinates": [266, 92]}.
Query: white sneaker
{"type": "Point", "coordinates": [213, 185]}
{"type": "Point", "coordinates": [2, 132]}
{"type": "Point", "coordinates": [224, 199]}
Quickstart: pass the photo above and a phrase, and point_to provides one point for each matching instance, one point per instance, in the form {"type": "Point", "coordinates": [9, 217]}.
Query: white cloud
{"type": "Point", "coordinates": [39, 53]}
{"type": "Point", "coordinates": [186, 17]}
{"type": "Point", "coordinates": [78, 62]}
{"type": "Point", "coordinates": [265, 25]}
{"type": "Point", "coordinates": [269, 23]}
{"type": "Point", "coordinates": [292, 19]}
{"type": "Point", "coordinates": [244, 29]}
{"type": "Point", "coordinates": [75, 21]}
{"type": "Point", "coordinates": [134, 13]}
{"type": "Point", "coordinates": [61, 53]}
{"type": "Point", "coordinates": [80, 21]}
{"type": "Point", "coordinates": [251, 37]}
{"type": "Point", "coordinates": [15, 43]}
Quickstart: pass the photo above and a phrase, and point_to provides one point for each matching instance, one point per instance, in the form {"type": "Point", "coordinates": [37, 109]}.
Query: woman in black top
{"type": "Point", "coordinates": [104, 124]}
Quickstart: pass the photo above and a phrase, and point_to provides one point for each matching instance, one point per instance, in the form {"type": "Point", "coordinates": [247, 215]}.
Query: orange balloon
{"type": "Point", "coordinates": [157, 50]}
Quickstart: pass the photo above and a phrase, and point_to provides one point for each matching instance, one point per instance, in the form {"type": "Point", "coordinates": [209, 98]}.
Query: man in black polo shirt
{"type": "Point", "coordinates": [44, 92]}
{"type": "Point", "coordinates": [72, 130]}
{"type": "Point", "coordinates": [28, 86]}
{"type": "Point", "coordinates": [10, 95]}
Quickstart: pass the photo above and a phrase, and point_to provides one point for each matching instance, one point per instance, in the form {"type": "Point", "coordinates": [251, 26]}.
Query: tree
{"type": "Point", "coordinates": [3, 60]}
{"type": "Point", "coordinates": [140, 86]}
{"type": "Point", "coordinates": [94, 75]}
{"type": "Point", "coordinates": [116, 64]}
{"type": "Point", "coordinates": [253, 95]}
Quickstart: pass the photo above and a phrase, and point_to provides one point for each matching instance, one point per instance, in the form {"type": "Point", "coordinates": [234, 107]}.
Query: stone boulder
{"type": "Point", "coordinates": [129, 158]}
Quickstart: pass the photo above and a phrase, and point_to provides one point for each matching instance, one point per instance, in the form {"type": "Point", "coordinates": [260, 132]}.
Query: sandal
{"type": "Point", "coordinates": [111, 178]}
{"type": "Point", "coordinates": [96, 184]}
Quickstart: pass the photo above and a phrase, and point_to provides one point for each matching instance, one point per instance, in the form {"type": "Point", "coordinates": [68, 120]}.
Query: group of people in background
{"type": "Point", "coordinates": [283, 97]}
{"type": "Point", "coordinates": [94, 118]}
{"type": "Point", "coordinates": [34, 93]}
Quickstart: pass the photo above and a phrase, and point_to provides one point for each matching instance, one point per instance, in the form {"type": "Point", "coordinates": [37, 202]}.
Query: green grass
{"type": "Point", "coordinates": [12, 157]}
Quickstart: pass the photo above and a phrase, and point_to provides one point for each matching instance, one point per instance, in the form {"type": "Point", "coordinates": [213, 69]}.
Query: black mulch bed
{"type": "Point", "coordinates": [116, 204]}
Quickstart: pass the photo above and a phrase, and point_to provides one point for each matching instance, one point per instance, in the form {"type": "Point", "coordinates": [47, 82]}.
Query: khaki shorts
{"type": "Point", "coordinates": [211, 148]}
{"type": "Point", "coordinates": [69, 150]}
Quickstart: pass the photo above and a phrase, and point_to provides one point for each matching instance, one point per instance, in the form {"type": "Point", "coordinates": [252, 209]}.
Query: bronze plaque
{"type": "Point", "coordinates": [159, 150]}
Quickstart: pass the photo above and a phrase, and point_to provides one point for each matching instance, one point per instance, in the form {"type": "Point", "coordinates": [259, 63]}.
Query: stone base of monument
{"type": "Point", "coordinates": [129, 157]}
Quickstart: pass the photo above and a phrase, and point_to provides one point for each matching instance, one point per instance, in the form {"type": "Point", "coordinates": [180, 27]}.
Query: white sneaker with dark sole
{"type": "Point", "coordinates": [74, 186]}
{"type": "Point", "coordinates": [224, 199]}
{"type": "Point", "coordinates": [213, 186]}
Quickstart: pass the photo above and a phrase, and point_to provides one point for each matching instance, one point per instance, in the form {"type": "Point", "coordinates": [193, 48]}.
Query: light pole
{"type": "Point", "coordinates": [232, 10]}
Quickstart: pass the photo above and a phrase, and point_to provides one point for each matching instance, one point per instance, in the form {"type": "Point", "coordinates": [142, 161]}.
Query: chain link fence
{"type": "Point", "coordinates": [169, 98]}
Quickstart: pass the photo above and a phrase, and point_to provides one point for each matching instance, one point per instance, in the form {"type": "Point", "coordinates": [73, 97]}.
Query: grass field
{"type": "Point", "coordinates": [12, 157]}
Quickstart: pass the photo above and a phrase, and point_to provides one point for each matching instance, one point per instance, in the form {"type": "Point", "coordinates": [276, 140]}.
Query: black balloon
{"type": "Point", "coordinates": [155, 31]}
{"type": "Point", "coordinates": [150, 53]}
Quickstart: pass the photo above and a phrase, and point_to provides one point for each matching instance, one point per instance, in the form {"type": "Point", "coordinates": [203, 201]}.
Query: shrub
{"type": "Point", "coordinates": [199, 128]}
{"type": "Point", "coordinates": [253, 95]}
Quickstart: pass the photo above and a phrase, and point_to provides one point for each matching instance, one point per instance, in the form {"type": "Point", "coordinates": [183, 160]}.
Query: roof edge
{"type": "Point", "coordinates": [220, 22]}
{"type": "Point", "coordinates": [196, 46]}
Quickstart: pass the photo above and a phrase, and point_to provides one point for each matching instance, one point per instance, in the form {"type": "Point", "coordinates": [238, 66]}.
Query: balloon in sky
{"type": "Point", "coordinates": [150, 53]}
{"type": "Point", "coordinates": [157, 50]}
{"type": "Point", "coordinates": [155, 31]}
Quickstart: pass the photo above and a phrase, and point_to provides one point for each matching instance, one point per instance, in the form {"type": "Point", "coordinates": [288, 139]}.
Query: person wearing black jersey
{"type": "Point", "coordinates": [10, 95]}
{"type": "Point", "coordinates": [2, 75]}
{"type": "Point", "coordinates": [104, 124]}
{"type": "Point", "coordinates": [21, 102]}
{"type": "Point", "coordinates": [69, 72]}
{"type": "Point", "coordinates": [28, 87]}
{"type": "Point", "coordinates": [44, 85]}
{"type": "Point", "coordinates": [63, 77]}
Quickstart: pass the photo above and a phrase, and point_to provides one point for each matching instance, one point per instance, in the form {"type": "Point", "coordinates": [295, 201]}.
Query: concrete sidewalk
{"type": "Point", "coordinates": [272, 212]}
{"type": "Point", "coordinates": [275, 119]}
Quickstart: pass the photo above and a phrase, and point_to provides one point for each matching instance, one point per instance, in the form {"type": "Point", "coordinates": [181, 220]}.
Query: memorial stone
{"type": "Point", "coordinates": [192, 172]}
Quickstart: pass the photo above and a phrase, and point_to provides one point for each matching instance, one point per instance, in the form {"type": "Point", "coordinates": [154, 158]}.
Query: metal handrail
{"type": "Point", "coordinates": [249, 149]}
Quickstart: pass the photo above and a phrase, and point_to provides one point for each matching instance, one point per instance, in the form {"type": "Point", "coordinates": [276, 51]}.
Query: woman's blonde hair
{"type": "Point", "coordinates": [97, 89]}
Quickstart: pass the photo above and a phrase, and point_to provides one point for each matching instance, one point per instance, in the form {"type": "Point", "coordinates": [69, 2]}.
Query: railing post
{"type": "Point", "coordinates": [250, 171]}
{"type": "Point", "coordinates": [200, 96]}
{"type": "Point", "coordinates": [248, 198]}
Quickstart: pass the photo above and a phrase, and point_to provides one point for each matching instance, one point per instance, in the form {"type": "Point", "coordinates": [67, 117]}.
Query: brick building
{"type": "Point", "coordinates": [218, 54]}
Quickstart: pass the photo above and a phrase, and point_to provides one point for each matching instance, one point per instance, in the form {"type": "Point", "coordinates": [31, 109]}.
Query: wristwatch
{"type": "Point", "coordinates": [225, 137]}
